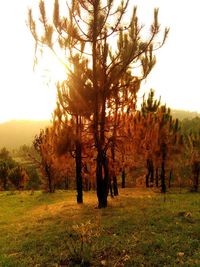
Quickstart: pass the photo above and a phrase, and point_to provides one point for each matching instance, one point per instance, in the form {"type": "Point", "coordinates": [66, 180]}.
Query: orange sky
{"type": "Point", "coordinates": [28, 95]}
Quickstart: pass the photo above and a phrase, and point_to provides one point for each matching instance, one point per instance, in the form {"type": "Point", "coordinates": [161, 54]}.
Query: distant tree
{"type": "Point", "coordinates": [34, 181]}
{"type": "Point", "coordinates": [155, 137]}
{"type": "Point", "coordinates": [4, 171]}
{"type": "Point", "coordinates": [149, 108]}
{"type": "Point", "coordinates": [18, 177]}
{"type": "Point", "coordinates": [169, 141]}
{"type": "Point", "coordinates": [190, 126]}
{"type": "Point", "coordinates": [28, 158]}
{"type": "Point", "coordinates": [53, 166]}
{"type": "Point", "coordinates": [68, 140]}
{"type": "Point", "coordinates": [192, 146]}
{"type": "Point", "coordinates": [73, 110]}
{"type": "Point", "coordinates": [4, 154]}
{"type": "Point", "coordinates": [150, 105]}
{"type": "Point", "coordinates": [44, 146]}
{"type": "Point", "coordinates": [6, 164]}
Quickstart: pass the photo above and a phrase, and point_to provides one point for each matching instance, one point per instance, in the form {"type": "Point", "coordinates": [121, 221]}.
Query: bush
{"type": "Point", "coordinates": [34, 181]}
{"type": "Point", "coordinates": [18, 177]}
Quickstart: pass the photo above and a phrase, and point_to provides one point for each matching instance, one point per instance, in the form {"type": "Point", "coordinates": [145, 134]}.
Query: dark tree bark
{"type": "Point", "coordinates": [147, 180]}
{"type": "Point", "coordinates": [115, 186]}
{"type": "Point", "coordinates": [102, 175]}
{"type": "Point", "coordinates": [111, 189]}
{"type": "Point", "coordinates": [157, 178]}
{"type": "Point", "coordinates": [51, 188]}
{"type": "Point", "coordinates": [79, 185]}
{"type": "Point", "coordinates": [196, 170]}
{"type": "Point", "coordinates": [114, 177]}
{"type": "Point", "coordinates": [78, 160]}
{"type": "Point", "coordinates": [123, 178]}
{"type": "Point", "coordinates": [150, 173]}
{"type": "Point", "coordinates": [162, 176]}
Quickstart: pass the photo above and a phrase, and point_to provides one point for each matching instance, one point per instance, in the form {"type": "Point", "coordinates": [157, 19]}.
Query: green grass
{"type": "Point", "coordinates": [138, 228]}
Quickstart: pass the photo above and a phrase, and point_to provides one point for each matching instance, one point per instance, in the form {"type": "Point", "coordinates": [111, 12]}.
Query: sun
{"type": "Point", "coordinates": [47, 74]}
{"type": "Point", "coordinates": [31, 95]}
{"type": "Point", "coordinates": [24, 93]}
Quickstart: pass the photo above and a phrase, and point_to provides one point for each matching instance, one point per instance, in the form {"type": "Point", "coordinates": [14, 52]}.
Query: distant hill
{"type": "Point", "coordinates": [183, 114]}
{"type": "Point", "coordinates": [14, 134]}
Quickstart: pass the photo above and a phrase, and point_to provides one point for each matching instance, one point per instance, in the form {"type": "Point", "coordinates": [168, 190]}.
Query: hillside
{"type": "Point", "coordinates": [139, 228]}
{"type": "Point", "coordinates": [183, 114]}
{"type": "Point", "coordinates": [13, 134]}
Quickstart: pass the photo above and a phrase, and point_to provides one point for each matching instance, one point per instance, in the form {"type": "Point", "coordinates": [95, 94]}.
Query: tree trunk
{"type": "Point", "coordinates": [151, 173]}
{"type": "Point", "coordinates": [123, 178]}
{"type": "Point", "coordinates": [196, 186]}
{"type": "Point", "coordinates": [196, 170]}
{"type": "Point", "coordinates": [162, 176]}
{"type": "Point", "coordinates": [147, 180]}
{"type": "Point", "coordinates": [157, 177]}
{"type": "Point", "coordinates": [51, 189]}
{"type": "Point", "coordinates": [148, 173]}
{"type": "Point", "coordinates": [111, 189]}
{"type": "Point", "coordinates": [79, 185]}
{"type": "Point", "coordinates": [102, 177]}
{"type": "Point", "coordinates": [114, 178]}
{"type": "Point", "coordinates": [115, 186]}
{"type": "Point", "coordinates": [102, 192]}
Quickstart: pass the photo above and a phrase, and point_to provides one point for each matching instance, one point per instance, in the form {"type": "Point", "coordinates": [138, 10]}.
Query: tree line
{"type": "Point", "coordinates": [96, 126]}
{"type": "Point", "coordinates": [100, 91]}
{"type": "Point", "coordinates": [97, 131]}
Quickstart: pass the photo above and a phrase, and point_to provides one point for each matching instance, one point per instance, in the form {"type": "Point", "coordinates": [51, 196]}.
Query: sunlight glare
{"type": "Point", "coordinates": [28, 95]}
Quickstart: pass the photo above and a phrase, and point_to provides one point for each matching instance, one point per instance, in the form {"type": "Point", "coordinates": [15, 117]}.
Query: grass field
{"type": "Point", "coordinates": [139, 228]}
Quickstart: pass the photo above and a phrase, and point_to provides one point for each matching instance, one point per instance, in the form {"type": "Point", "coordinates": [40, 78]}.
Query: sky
{"type": "Point", "coordinates": [25, 94]}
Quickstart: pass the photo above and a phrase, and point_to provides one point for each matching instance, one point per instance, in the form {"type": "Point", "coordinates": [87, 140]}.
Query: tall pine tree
{"type": "Point", "coordinates": [87, 31]}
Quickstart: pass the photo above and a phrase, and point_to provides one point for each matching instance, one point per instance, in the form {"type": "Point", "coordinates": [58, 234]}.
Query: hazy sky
{"type": "Point", "coordinates": [26, 95]}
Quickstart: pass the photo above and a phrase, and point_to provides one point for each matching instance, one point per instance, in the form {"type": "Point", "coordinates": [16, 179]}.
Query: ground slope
{"type": "Point", "coordinates": [139, 228]}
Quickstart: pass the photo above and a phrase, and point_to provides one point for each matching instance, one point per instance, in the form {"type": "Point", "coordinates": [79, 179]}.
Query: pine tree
{"type": "Point", "coordinates": [68, 129]}
{"type": "Point", "coordinates": [149, 108]}
{"type": "Point", "coordinates": [156, 138]}
{"type": "Point", "coordinates": [43, 143]}
{"type": "Point", "coordinates": [86, 35]}
{"type": "Point", "coordinates": [192, 147]}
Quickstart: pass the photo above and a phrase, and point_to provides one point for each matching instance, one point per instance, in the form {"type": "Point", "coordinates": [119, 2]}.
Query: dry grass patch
{"type": "Point", "coordinates": [139, 227]}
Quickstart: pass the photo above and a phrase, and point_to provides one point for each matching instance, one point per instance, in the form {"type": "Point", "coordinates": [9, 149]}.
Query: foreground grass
{"type": "Point", "coordinates": [139, 228]}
